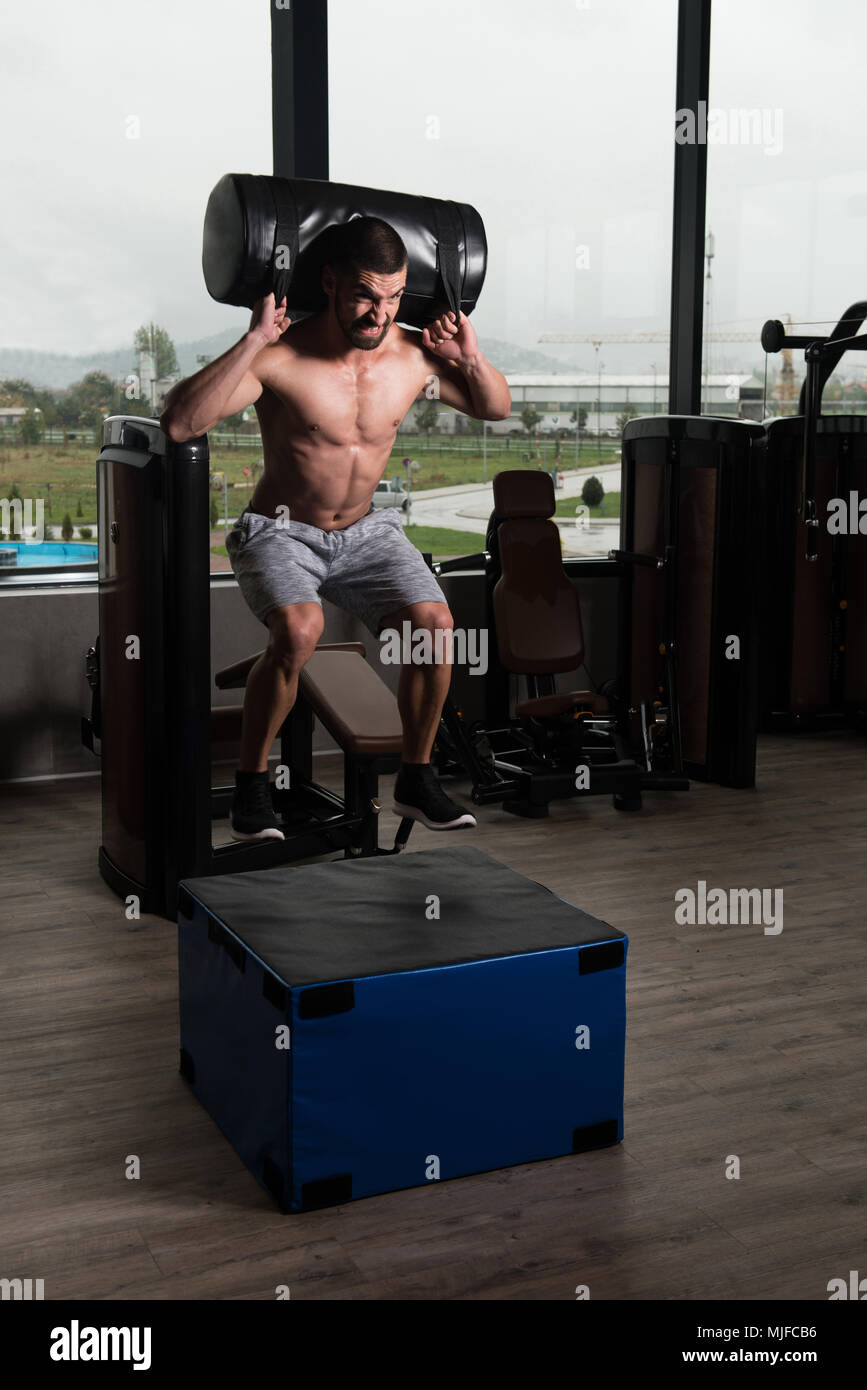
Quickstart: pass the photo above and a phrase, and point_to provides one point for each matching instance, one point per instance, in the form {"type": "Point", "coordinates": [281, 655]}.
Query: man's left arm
{"type": "Point", "coordinates": [467, 380]}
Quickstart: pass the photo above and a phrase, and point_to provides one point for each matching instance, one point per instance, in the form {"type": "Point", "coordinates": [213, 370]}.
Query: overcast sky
{"type": "Point", "coordinates": [555, 119]}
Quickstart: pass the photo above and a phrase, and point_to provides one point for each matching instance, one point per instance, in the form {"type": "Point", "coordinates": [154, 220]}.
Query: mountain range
{"type": "Point", "coordinates": [57, 370]}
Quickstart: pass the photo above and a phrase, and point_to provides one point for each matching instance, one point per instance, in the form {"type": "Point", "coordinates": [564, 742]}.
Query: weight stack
{"type": "Point", "coordinates": [814, 612]}
{"type": "Point", "coordinates": [689, 485]}
{"type": "Point", "coordinates": [367, 1025]}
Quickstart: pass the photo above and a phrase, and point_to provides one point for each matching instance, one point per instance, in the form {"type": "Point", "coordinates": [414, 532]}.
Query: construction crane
{"type": "Point", "coordinates": [786, 389]}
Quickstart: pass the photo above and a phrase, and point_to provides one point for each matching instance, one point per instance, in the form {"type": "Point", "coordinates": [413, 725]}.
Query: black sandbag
{"type": "Point", "coordinates": [250, 217]}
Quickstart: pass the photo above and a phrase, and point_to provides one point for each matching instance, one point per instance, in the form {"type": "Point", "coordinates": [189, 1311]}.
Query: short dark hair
{"type": "Point", "coordinates": [366, 243]}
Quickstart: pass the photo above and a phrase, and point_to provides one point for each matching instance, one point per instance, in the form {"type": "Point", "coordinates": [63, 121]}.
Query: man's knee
{"type": "Point", "coordinates": [295, 630]}
{"type": "Point", "coordinates": [424, 617]}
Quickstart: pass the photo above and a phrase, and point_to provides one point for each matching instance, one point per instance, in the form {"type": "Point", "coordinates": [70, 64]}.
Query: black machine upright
{"type": "Point", "coordinates": [814, 590]}
{"type": "Point", "coordinates": [690, 531]}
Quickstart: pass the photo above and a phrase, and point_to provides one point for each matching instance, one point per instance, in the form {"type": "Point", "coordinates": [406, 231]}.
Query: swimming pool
{"type": "Point", "coordinates": [47, 553]}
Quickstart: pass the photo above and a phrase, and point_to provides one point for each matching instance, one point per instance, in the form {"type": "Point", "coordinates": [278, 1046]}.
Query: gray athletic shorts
{"type": "Point", "coordinates": [369, 568]}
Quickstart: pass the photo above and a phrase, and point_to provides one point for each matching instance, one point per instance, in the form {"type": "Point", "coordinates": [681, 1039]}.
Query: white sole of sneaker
{"type": "Point", "coordinates": [271, 833]}
{"type": "Point", "coordinates": [464, 822]}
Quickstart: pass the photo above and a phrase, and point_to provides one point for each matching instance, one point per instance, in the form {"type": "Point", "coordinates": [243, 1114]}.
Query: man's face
{"type": "Point", "coordinates": [365, 304]}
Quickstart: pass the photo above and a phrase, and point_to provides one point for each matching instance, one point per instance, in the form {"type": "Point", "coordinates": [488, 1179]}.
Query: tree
{"type": "Point", "coordinates": [88, 401]}
{"type": "Point", "coordinates": [92, 418]}
{"type": "Point", "coordinates": [833, 388]}
{"type": "Point", "coordinates": [582, 417]}
{"type": "Point", "coordinates": [151, 338]}
{"type": "Point", "coordinates": [17, 392]}
{"type": "Point", "coordinates": [67, 408]}
{"type": "Point", "coordinates": [66, 530]}
{"type": "Point", "coordinates": [427, 416]}
{"type": "Point", "coordinates": [47, 404]}
{"type": "Point", "coordinates": [473, 426]}
{"type": "Point", "coordinates": [95, 388]}
{"type": "Point", "coordinates": [215, 514]}
{"type": "Point", "coordinates": [592, 492]}
{"type": "Point", "coordinates": [530, 418]}
{"type": "Point", "coordinates": [30, 427]}
{"type": "Point", "coordinates": [627, 413]}
{"type": "Point", "coordinates": [857, 390]}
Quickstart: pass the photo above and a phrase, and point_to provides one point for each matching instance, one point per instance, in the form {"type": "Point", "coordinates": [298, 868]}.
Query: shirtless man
{"type": "Point", "coordinates": [330, 393]}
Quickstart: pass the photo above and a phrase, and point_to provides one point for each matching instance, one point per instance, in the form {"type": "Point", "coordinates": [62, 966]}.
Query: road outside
{"type": "Point", "coordinates": [468, 506]}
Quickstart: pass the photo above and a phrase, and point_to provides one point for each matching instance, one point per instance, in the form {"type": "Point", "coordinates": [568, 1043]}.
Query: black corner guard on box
{"type": "Point", "coordinates": [326, 1192]}
{"type": "Point", "coordinates": [323, 1000]}
{"type": "Point", "coordinates": [608, 955]}
{"type": "Point", "coordinates": [229, 943]}
{"type": "Point", "coordinates": [187, 1067]}
{"type": "Point", "coordinates": [594, 1136]}
{"type": "Point", "coordinates": [275, 992]}
{"type": "Point", "coordinates": [272, 1178]}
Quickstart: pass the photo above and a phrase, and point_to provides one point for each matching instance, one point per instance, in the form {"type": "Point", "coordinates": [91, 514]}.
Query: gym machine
{"type": "Point", "coordinates": [690, 533]}
{"type": "Point", "coordinates": [814, 589]}
{"type": "Point", "coordinates": [559, 743]}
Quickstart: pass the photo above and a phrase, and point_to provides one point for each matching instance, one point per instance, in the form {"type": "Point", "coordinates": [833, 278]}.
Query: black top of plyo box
{"type": "Point", "coordinates": [356, 917]}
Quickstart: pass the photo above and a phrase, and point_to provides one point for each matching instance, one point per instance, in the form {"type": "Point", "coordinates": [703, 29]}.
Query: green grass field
{"type": "Point", "coordinates": [65, 474]}
{"type": "Point", "coordinates": [442, 543]}
{"type": "Point", "coordinates": [610, 509]}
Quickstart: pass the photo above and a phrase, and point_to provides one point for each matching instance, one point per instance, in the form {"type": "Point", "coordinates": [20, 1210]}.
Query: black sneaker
{"type": "Point", "coordinates": [418, 795]}
{"type": "Point", "coordinates": [252, 810]}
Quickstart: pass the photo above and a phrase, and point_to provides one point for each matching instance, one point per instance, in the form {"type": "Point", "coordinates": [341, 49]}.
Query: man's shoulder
{"type": "Point", "coordinates": [296, 339]}
{"type": "Point", "coordinates": [271, 361]}
{"type": "Point", "coordinates": [411, 350]}
{"type": "Point", "coordinates": [411, 336]}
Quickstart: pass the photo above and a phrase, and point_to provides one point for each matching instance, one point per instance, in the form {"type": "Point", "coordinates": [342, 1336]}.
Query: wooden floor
{"type": "Point", "coordinates": [738, 1043]}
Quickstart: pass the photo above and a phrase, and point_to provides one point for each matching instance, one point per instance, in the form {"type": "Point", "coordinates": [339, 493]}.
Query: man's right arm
{"type": "Point", "coordinates": [227, 385]}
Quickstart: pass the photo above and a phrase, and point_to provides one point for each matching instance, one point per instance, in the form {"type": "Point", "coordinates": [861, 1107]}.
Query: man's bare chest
{"type": "Point", "coordinates": [342, 406]}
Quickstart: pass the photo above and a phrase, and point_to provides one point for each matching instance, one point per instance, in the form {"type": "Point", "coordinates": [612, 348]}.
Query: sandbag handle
{"type": "Point", "coordinates": [285, 235]}
{"type": "Point", "coordinates": [448, 225]}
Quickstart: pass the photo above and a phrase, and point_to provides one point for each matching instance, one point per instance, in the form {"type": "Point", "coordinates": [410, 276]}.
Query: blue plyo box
{"type": "Point", "coordinates": [366, 1025]}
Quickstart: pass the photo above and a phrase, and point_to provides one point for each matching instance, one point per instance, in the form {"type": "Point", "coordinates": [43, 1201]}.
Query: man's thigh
{"type": "Point", "coordinates": [273, 566]}
{"type": "Point", "coordinates": [379, 571]}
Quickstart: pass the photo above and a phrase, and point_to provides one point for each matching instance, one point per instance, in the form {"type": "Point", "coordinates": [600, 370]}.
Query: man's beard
{"type": "Point", "coordinates": [363, 340]}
